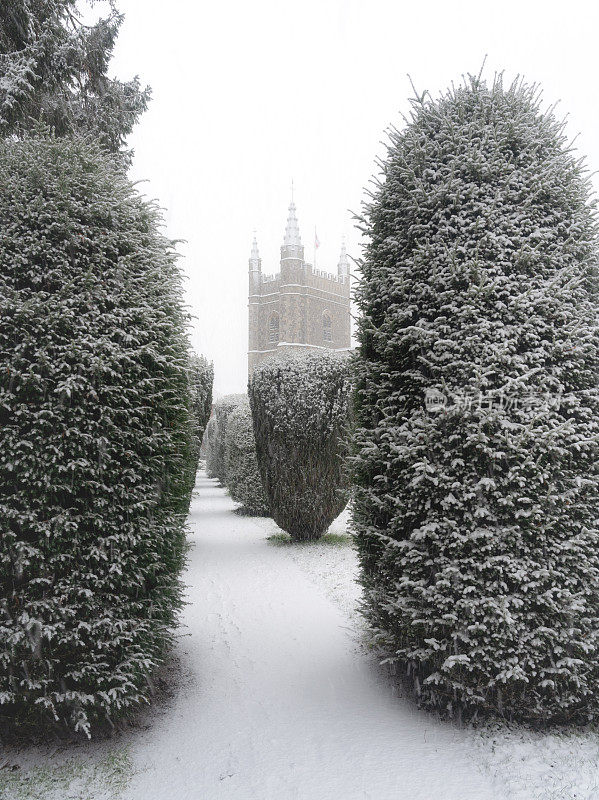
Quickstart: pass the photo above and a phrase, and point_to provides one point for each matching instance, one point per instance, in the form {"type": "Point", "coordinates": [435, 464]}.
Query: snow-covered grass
{"type": "Point", "coordinates": [533, 765]}
{"type": "Point", "coordinates": [63, 775]}
{"type": "Point", "coordinates": [330, 562]}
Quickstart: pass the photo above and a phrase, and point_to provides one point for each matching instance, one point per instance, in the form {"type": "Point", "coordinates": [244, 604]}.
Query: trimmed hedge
{"type": "Point", "coordinates": [95, 434]}
{"type": "Point", "coordinates": [209, 446]}
{"type": "Point", "coordinates": [477, 463]}
{"type": "Point", "coordinates": [216, 456]}
{"type": "Point", "coordinates": [300, 408]}
{"type": "Point", "coordinates": [241, 465]}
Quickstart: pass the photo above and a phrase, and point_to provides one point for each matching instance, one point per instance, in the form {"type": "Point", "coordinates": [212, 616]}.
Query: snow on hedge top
{"type": "Point", "coordinates": [225, 405]}
{"type": "Point", "coordinates": [483, 242]}
{"type": "Point", "coordinates": [304, 393]}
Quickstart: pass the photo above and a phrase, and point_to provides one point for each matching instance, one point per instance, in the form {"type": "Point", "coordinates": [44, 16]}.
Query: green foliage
{"type": "Point", "coordinates": [300, 412]}
{"type": "Point", "coordinates": [95, 435]}
{"type": "Point", "coordinates": [241, 466]}
{"type": "Point", "coordinates": [209, 444]}
{"type": "Point", "coordinates": [215, 460]}
{"type": "Point", "coordinates": [476, 518]}
{"type": "Point", "coordinates": [54, 71]}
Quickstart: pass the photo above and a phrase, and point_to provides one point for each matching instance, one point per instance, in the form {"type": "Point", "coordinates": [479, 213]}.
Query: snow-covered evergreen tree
{"type": "Point", "coordinates": [201, 379]}
{"type": "Point", "coordinates": [215, 462]}
{"type": "Point", "coordinates": [241, 466]}
{"type": "Point", "coordinates": [94, 435]}
{"type": "Point", "coordinates": [477, 453]}
{"type": "Point", "coordinates": [209, 445]}
{"type": "Point", "coordinates": [54, 71]}
{"type": "Point", "coordinates": [300, 409]}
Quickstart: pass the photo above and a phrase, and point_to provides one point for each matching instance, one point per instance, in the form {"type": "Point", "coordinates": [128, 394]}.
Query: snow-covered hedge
{"type": "Point", "coordinates": [95, 436]}
{"type": "Point", "coordinates": [241, 466]}
{"type": "Point", "coordinates": [215, 460]}
{"type": "Point", "coordinates": [209, 446]}
{"type": "Point", "coordinates": [477, 457]}
{"type": "Point", "coordinates": [201, 378]}
{"type": "Point", "coordinates": [300, 411]}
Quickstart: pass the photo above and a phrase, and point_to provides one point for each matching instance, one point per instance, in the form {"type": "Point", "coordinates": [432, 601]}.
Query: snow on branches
{"type": "Point", "coordinates": [241, 466]}
{"type": "Point", "coordinates": [300, 408]}
{"type": "Point", "coordinates": [217, 435]}
{"type": "Point", "coordinates": [477, 449]}
{"type": "Point", "coordinates": [54, 72]}
{"type": "Point", "coordinates": [96, 435]}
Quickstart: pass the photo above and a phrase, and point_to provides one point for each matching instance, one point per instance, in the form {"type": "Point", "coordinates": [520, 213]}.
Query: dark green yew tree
{"type": "Point", "coordinates": [95, 441]}
{"type": "Point", "coordinates": [300, 409]}
{"type": "Point", "coordinates": [216, 462]}
{"type": "Point", "coordinates": [241, 464]}
{"type": "Point", "coordinates": [477, 449]}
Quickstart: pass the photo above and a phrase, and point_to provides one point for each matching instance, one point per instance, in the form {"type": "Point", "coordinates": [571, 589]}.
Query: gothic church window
{"type": "Point", "coordinates": [273, 329]}
{"type": "Point", "coordinates": [327, 327]}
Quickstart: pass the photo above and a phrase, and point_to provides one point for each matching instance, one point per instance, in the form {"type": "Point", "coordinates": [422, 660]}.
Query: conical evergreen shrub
{"type": "Point", "coordinates": [477, 453]}
{"type": "Point", "coordinates": [241, 465]}
{"type": "Point", "coordinates": [94, 432]}
{"type": "Point", "coordinates": [300, 409]}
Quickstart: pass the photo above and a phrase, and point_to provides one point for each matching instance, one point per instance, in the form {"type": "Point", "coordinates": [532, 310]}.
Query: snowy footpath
{"type": "Point", "coordinates": [278, 699]}
{"type": "Point", "coordinates": [283, 704]}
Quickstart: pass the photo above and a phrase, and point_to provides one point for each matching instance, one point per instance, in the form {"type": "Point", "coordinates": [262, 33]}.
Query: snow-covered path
{"type": "Point", "coordinates": [281, 703]}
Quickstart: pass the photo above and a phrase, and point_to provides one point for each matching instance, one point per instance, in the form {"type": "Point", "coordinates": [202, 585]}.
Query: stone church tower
{"type": "Point", "coordinates": [300, 306]}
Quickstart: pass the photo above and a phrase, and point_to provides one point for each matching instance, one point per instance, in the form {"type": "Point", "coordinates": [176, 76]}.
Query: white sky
{"type": "Point", "coordinates": [248, 95]}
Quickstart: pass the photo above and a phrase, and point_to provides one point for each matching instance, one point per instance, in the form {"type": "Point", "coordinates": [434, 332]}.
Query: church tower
{"type": "Point", "coordinates": [298, 307]}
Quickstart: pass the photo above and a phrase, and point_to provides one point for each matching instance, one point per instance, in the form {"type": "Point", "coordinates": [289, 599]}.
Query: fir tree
{"type": "Point", "coordinates": [300, 409]}
{"type": "Point", "coordinates": [94, 428]}
{"type": "Point", "coordinates": [477, 408]}
{"type": "Point", "coordinates": [54, 71]}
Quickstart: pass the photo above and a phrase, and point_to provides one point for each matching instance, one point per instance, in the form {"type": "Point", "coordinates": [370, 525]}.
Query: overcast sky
{"type": "Point", "coordinates": [248, 95]}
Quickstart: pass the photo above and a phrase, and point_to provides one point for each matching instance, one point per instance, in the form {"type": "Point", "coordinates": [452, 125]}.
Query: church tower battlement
{"type": "Point", "coordinates": [300, 306]}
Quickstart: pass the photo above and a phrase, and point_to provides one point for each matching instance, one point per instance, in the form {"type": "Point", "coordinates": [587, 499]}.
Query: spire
{"type": "Point", "coordinates": [343, 265]}
{"type": "Point", "coordinates": [255, 266]}
{"type": "Point", "coordinates": [255, 254]}
{"type": "Point", "coordinates": [292, 234]}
